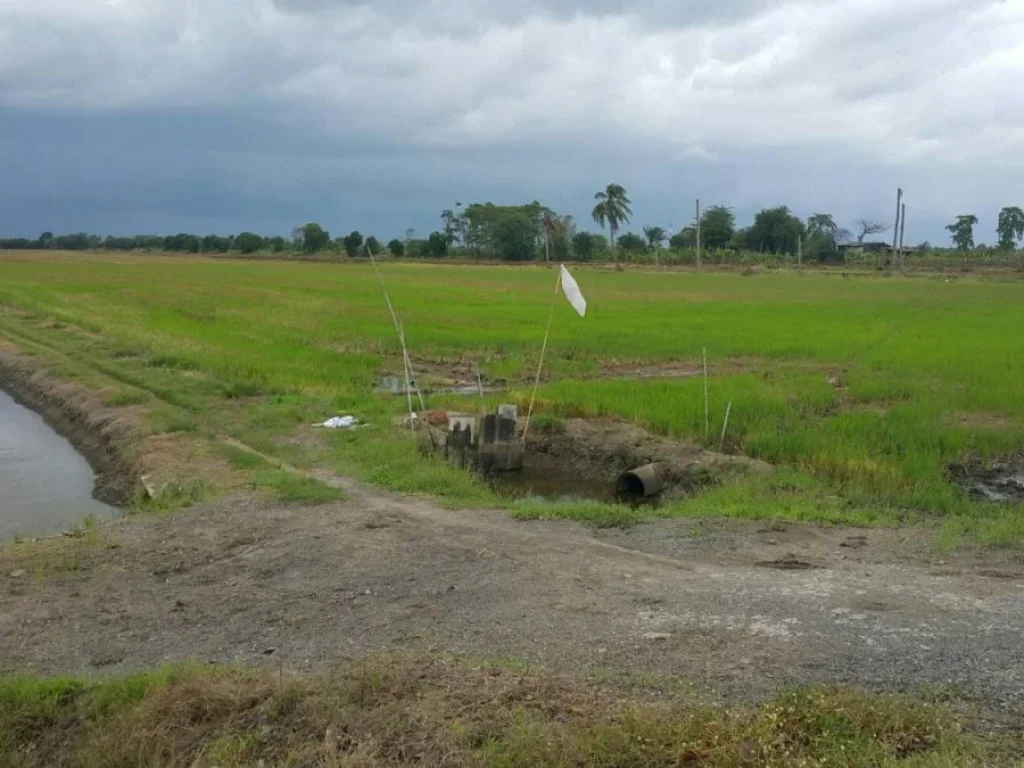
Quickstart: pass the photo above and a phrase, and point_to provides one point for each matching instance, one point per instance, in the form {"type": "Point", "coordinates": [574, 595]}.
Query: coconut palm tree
{"type": "Point", "coordinates": [655, 237]}
{"type": "Point", "coordinates": [612, 210]}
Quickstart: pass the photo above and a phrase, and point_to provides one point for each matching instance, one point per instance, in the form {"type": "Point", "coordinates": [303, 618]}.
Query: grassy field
{"type": "Point", "coordinates": [861, 391]}
{"type": "Point", "coordinates": [429, 711]}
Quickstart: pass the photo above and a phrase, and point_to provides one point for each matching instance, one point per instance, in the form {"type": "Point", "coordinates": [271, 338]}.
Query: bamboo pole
{"type": "Point", "coordinates": [725, 426]}
{"type": "Point", "coordinates": [707, 406]}
{"type": "Point", "coordinates": [480, 388]}
{"type": "Point", "coordinates": [408, 380]}
{"type": "Point", "coordinates": [410, 376]}
{"type": "Point", "coordinates": [543, 352]}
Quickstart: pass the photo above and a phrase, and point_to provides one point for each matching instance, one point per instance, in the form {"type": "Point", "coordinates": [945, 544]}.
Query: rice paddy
{"type": "Point", "coordinates": [861, 391]}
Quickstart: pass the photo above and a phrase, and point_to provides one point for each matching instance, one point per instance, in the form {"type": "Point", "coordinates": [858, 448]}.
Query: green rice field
{"type": "Point", "coordinates": [861, 391]}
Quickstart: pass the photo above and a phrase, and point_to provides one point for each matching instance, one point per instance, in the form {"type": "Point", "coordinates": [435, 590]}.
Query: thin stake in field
{"type": "Point", "coordinates": [480, 388]}
{"type": "Point", "coordinates": [707, 406]}
{"type": "Point", "coordinates": [725, 426]}
{"type": "Point", "coordinates": [543, 351]}
{"type": "Point", "coordinates": [410, 377]}
{"type": "Point", "coordinates": [572, 292]}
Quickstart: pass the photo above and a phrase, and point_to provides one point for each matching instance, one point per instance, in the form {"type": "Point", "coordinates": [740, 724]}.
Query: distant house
{"type": "Point", "coordinates": [862, 249]}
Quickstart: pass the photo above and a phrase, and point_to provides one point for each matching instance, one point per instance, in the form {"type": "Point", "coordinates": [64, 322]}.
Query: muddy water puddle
{"type": "Point", "coordinates": [45, 485]}
{"type": "Point", "coordinates": [545, 480]}
{"type": "Point", "coordinates": [1000, 481]}
{"type": "Point", "coordinates": [541, 479]}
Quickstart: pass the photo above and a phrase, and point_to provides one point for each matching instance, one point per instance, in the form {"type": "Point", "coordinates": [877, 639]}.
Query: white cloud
{"type": "Point", "coordinates": [918, 79]}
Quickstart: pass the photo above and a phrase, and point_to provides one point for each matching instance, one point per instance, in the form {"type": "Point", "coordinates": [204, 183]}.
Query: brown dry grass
{"type": "Point", "coordinates": [437, 712]}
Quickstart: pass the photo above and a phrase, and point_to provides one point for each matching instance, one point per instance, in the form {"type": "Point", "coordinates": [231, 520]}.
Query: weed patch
{"type": "Point", "coordinates": [289, 487]}
{"type": "Point", "coordinates": [428, 711]}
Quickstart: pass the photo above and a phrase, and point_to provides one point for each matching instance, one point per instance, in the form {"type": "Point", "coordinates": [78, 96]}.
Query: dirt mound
{"type": "Point", "coordinates": [97, 431]}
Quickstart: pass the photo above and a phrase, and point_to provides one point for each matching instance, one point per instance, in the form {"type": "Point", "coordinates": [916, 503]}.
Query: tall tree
{"type": "Point", "coordinates": [372, 246]}
{"type": "Point", "coordinates": [510, 232]}
{"type": "Point", "coordinates": [717, 225]}
{"type": "Point", "coordinates": [821, 224]}
{"type": "Point", "coordinates": [313, 237]}
{"type": "Point", "coordinates": [352, 242]}
{"type": "Point", "coordinates": [612, 210]}
{"type": "Point", "coordinates": [631, 244]}
{"type": "Point", "coordinates": [436, 246]}
{"type": "Point", "coordinates": [1010, 227]}
{"type": "Point", "coordinates": [215, 244]}
{"type": "Point", "coordinates": [586, 245]}
{"type": "Point", "coordinates": [558, 233]}
{"type": "Point", "coordinates": [775, 230]}
{"type": "Point", "coordinates": [962, 232]}
{"type": "Point", "coordinates": [655, 237]}
{"type": "Point", "coordinates": [867, 227]}
{"type": "Point", "coordinates": [683, 239]}
{"type": "Point", "coordinates": [550, 223]}
{"type": "Point", "coordinates": [822, 237]}
{"type": "Point", "coordinates": [248, 242]}
{"type": "Point", "coordinates": [454, 226]}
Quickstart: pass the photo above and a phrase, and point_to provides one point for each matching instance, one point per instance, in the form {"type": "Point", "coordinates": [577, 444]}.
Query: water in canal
{"type": "Point", "coordinates": [45, 485]}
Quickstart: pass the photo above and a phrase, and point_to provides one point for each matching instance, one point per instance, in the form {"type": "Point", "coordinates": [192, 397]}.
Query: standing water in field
{"type": "Point", "coordinates": [45, 485]}
{"type": "Point", "coordinates": [545, 479]}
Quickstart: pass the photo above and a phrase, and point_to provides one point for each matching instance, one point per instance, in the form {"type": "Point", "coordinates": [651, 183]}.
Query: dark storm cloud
{"type": "Point", "coordinates": [277, 109]}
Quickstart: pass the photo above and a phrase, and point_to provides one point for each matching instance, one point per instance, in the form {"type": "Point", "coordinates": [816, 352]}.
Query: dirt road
{"type": "Point", "coordinates": [736, 608]}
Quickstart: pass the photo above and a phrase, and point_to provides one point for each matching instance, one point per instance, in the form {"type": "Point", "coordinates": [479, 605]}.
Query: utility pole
{"type": "Point", "coordinates": [800, 252]}
{"type": "Point", "coordinates": [903, 227]}
{"type": "Point", "coordinates": [698, 235]}
{"type": "Point", "coordinates": [896, 229]}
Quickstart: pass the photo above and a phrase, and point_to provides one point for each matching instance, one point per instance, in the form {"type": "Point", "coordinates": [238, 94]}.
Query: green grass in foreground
{"type": "Point", "coordinates": [294, 488]}
{"type": "Point", "coordinates": [425, 711]}
{"type": "Point", "coordinates": [923, 372]}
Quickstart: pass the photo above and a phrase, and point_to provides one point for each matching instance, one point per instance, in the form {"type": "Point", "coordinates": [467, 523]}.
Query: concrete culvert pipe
{"type": "Point", "coordinates": [641, 483]}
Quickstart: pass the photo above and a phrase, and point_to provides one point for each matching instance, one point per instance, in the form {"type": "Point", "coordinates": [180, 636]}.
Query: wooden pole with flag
{"type": "Point", "coordinates": [572, 292]}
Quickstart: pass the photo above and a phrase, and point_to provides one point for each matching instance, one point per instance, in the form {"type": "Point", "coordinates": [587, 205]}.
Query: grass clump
{"type": "Point", "coordinates": [299, 489]}
{"type": "Point", "coordinates": [430, 711]}
{"type": "Point", "coordinates": [127, 397]}
{"type": "Point", "coordinates": [171, 497]}
{"type": "Point", "coordinates": [241, 459]}
{"type": "Point", "coordinates": [596, 513]}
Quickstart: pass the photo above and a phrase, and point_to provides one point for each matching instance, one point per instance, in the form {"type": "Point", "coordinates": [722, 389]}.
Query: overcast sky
{"type": "Point", "coordinates": [131, 116]}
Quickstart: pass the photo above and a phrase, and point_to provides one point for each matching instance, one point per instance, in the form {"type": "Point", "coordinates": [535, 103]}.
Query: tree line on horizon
{"type": "Point", "coordinates": [534, 231]}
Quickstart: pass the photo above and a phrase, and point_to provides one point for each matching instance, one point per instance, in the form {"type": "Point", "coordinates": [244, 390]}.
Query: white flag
{"type": "Point", "coordinates": [572, 292]}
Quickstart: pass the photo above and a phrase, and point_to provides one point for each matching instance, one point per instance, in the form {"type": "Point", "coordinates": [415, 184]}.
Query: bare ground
{"type": "Point", "coordinates": [740, 609]}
